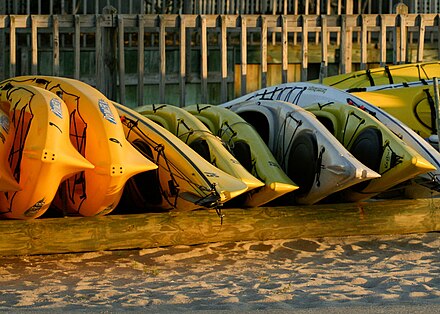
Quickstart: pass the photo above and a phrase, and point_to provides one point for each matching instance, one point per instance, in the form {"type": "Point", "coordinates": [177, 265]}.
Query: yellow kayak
{"type": "Point", "coordinates": [97, 133]}
{"type": "Point", "coordinates": [373, 144]}
{"type": "Point", "coordinates": [195, 134]}
{"type": "Point", "coordinates": [41, 156]}
{"type": "Point", "coordinates": [7, 180]}
{"type": "Point", "coordinates": [184, 180]}
{"type": "Point", "coordinates": [413, 106]}
{"type": "Point", "coordinates": [250, 150]}
{"type": "Point", "coordinates": [385, 75]}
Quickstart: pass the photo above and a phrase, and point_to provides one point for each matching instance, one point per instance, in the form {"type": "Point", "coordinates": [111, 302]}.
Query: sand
{"type": "Point", "coordinates": [343, 274]}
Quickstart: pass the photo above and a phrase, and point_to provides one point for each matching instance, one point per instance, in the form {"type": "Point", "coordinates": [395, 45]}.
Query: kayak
{"type": "Point", "coordinates": [250, 150]}
{"type": "Point", "coordinates": [97, 133]}
{"type": "Point", "coordinates": [7, 180]}
{"type": "Point", "coordinates": [184, 180]}
{"type": "Point", "coordinates": [308, 153]}
{"type": "Point", "coordinates": [374, 145]}
{"type": "Point", "coordinates": [305, 93]}
{"type": "Point", "coordinates": [41, 156]}
{"type": "Point", "coordinates": [390, 74]}
{"type": "Point", "coordinates": [413, 105]}
{"type": "Point", "coordinates": [197, 136]}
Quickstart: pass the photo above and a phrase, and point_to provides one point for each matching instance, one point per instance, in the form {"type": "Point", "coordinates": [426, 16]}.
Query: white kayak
{"type": "Point", "coordinates": [309, 154]}
{"type": "Point", "coordinates": [304, 93]}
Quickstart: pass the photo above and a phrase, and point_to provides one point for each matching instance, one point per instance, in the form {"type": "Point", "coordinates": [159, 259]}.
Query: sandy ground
{"type": "Point", "coordinates": [377, 274]}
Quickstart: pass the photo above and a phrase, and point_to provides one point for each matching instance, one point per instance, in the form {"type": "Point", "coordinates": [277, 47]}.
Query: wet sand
{"type": "Point", "coordinates": [389, 274]}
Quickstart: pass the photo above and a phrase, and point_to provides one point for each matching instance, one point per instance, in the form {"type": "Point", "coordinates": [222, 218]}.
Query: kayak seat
{"type": "Point", "coordinates": [259, 122]}
{"type": "Point", "coordinates": [302, 162]}
{"type": "Point", "coordinates": [367, 148]}
{"type": "Point", "coordinates": [242, 152]}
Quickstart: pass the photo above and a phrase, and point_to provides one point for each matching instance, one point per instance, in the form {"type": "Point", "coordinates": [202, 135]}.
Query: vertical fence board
{"type": "Point", "coordinates": [56, 46]}
{"type": "Point", "coordinates": [121, 56]}
{"type": "Point", "coordinates": [421, 41]}
{"type": "Point", "coordinates": [263, 45]}
{"type": "Point", "coordinates": [243, 50]}
{"type": "Point", "coordinates": [204, 59]}
{"type": "Point", "coordinates": [140, 71]}
{"type": "Point", "coordinates": [76, 47]}
{"type": "Point", "coordinates": [383, 41]}
{"type": "Point", "coordinates": [346, 45]}
{"type": "Point", "coordinates": [12, 47]}
{"type": "Point", "coordinates": [34, 45]}
{"type": "Point", "coordinates": [99, 54]}
{"type": "Point", "coordinates": [2, 44]}
{"type": "Point", "coordinates": [224, 60]}
{"type": "Point", "coordinates": [162, 59]}
{"type": "Point", "coordinates": [403, 39]}
{"type": "Point", "coordinates": [182, 74]}
{"type": "Point", "coordinates": [304, 50]}
{"type": "Point", "coordinates": [324, 47]}
{"type": "Point", "coordinates": [284, 53]}
{"type": "Point", "coordinates": [364, 46]}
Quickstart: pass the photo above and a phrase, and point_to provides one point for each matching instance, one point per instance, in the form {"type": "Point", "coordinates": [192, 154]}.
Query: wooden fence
{"type": "Point", "coordinates": [295, 7]}
{"type": "Point", "coordinates": [181, 59]}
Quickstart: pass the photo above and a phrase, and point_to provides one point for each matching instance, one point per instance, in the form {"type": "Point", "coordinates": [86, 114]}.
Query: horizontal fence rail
{"type": "Point", "coordinates": [317, 7]}
{"type": "Point", "coordinates": [181, 59]}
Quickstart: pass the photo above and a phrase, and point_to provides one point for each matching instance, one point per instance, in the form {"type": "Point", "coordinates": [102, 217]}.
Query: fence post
{"type": "Point", "coordinates": [34, 45]}
{"type": "Point", "coordinates": [224, 59]}
{"type": "Point", "coordinates": [400, 33]}
{"type": "Point", "coordinates": [437, 108]}
{"type": "Point", "coordinates": [182, 75]}
{"type": "Point", "coordinates": [383, 41]}
{"type": "Point", "coordinates": [305, 48]}
{"type": "Point", "coordinates": [204, 59]}
{"type": "Point", "coordinates": [141, 61]}
{"type": "Point", "coordinates": [121, 51]}
{"type": "Point", "coordinates": [364, 43]}
{"type": "Point", "coordinates": [77, 47]}
{"type": "Point", "coordinates": [285, 49]}
{"type": "Point", "coordinates": [324, 48]}
{"type": "Point", "coordinates": [421, 42]}
{"type": "Point", "coordinates": [2, 44]}
{"type": "Point", "coordinates": [346, 45]}
{"type": "Point", "coordinates": [107, 58]}
{"type": "Point", "coordinates": [162, 58]}
{"type": "Point", "coordinates": [243, 51]}
{"type": "Point", "coordinates": [263, 49]}
{"type": "Point", "coordinates": [12, 47]}
{"type": "Point", "coordinates": [56, 46]}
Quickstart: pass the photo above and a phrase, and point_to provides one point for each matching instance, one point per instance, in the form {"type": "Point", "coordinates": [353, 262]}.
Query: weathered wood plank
{"type": "Point", "coordinates": [324, 48]}
{"type": "Point", "coordinates": [263, 46]}
{"type": "Point", "coordinates": [224, 60]}
{"type": "Point", "coordinates": [12, 47]}
{"type": "Point", "coordinates": [182, 74]}
{"type": "Point", "coordinates": [77, 48]}
{"type": "Point", "coordinates": [99, 54]}
{"type": "Point", "coordinates": [383, 41]}
{"type": "Point", "coordinates": [114, 232]}
{"type": "Point", "coordinates": [285, 52]}
{"type": "Point", "coordinates": [421, 41]}
{"type": "Point", "coordinates": [141, 62]}
{"type": "Point", "coordinates": [204, 59]}
{"type": "Point", "coordinates": [34, 46]}
{"type": "Point", "coordinates": [162, 59]}
{"type": "Point", "coordinates": [364, 32]}
{"type": "Point", "coordinates": [305, 48]}
{"type": "Point", "coordinates": [121, 56]}
{"type": "Point", "coordinates": [243, 51]}
{"type": "Point", "coordinates": [56, 46]}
